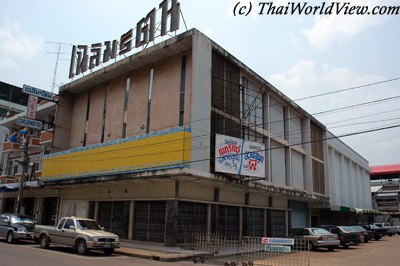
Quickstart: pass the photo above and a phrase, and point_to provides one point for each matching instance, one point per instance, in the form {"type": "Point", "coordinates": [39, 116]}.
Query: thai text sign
{"type": "Point", "coordinates": [26, 122]}
{"type": "Point", "coordinates": [277, 241]}
{"type": "Point", "coordinates": [272, 248]}
{"type": "Point", "coordinates": [145, 32]}
{"type": "Point", "coordinates": [239, 156]}
{"type": "Point", "coordinates": [38, 92]}
{"type": "Point", "coordinates": [32, 105]}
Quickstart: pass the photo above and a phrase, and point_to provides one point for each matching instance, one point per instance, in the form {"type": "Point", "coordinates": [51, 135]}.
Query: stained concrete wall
{"type": "Point", "coordinates": [201, 103]}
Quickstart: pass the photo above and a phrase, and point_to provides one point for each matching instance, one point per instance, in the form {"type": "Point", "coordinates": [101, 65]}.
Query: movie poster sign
{"type": "Point", "coordinates": [239, 156]}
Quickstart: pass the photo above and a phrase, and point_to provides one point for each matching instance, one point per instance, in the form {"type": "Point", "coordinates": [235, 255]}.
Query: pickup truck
{"type": "Point", "coordinates": [392, 230]}
{"type": "Point", "coordinates": [81, 234]}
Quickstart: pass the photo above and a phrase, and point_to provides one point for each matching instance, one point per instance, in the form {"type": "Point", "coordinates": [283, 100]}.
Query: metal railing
{"type": "Point", "coordinates": [216, 249]}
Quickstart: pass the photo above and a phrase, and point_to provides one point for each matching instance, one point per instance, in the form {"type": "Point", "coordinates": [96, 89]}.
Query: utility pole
{"type": "Point", "coordinates": [24, 163]}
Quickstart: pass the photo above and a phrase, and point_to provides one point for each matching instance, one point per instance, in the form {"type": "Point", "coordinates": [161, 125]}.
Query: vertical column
{"type": "Point", "coordinates": [326, 164]}
{"type": "Point", "coordinates": [171, 223]}
{"type": "Point", "coordinates": [200, 103]}
{"type": "Point", "coordinates": [131, 219]}
{"type": "Point", "coordinates": [209, 217]}
{"type": "Point", "coordinates": [308, 178]}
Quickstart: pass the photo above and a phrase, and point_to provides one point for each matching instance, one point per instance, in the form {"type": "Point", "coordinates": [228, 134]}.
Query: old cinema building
{"type": "Point", "coordinates": [182, 136]}
{"type": "Point", "coordinates": [138, 145]}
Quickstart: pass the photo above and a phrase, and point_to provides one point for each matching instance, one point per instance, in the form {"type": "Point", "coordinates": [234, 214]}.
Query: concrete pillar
{"type": "Point", "coordinates": [171, 223]}
{"type": "Point", "coordinates": [200, 92]}
{"type": "Point", "coordinates": [131, 220]}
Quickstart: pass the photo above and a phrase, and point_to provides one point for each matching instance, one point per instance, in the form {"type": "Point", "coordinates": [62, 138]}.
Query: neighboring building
{"type": "Point", "coordinates": [12, 101]}
{"type": "Point", "coordinates": [182, 136]}
{"type": "Point", "coordinates": [349, 189]}
{"type": "Point", "coordinates": [39, 143]}
{"type": "Point", "coordinates": [385, 188]}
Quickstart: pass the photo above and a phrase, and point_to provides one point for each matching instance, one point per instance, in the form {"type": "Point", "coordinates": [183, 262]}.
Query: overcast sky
{"type": "Point", "coordinates": [301, 55]}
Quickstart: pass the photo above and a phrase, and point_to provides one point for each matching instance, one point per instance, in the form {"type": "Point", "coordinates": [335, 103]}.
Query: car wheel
{"type": "Point", "coordinates": [346, 245]}
{"type": "Point", "coordinates": [81, 247]}
{"type": "Point", "coordinates": [108, 251]}
{"type": "Point", "coordinates": [10, 237]}
{"type": "Point", "coordinates": [331, 248]}
{"type": "Point", "coordinates": [310, 246]}
{"type": "Point", "coordinates": [44, 241]}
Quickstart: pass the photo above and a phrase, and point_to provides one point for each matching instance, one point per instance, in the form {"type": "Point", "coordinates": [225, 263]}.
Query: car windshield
{"type": "Point", "coordinates": [320, 231]}
{"type": "Point", "coordinates": [87, 225]}
{"type": "Point", "coordinates": [22, 220]}
{"type": "Point", "coordinates": [373, 226]}
{"type": "Point", "coordinates": [347, 229]}
{"type": "Point", "coordinates": [359, 228]}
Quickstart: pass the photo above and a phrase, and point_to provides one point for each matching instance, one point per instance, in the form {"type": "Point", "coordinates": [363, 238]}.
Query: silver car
{"type": "Point", "coordinates": [317, 237]}
{"type": "Point", "coordinates": [14, 227]}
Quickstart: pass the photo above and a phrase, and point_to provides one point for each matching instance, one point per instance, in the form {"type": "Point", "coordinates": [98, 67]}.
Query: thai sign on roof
{"type": "Point", "coordinates": [154, 25]}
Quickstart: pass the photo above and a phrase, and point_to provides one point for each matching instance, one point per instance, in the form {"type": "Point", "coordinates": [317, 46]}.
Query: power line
{"type": "Point", "coordinates": [348, 89]}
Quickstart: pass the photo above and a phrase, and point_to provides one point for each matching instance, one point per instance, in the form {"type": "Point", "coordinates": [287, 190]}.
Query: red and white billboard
{"type": "Point", "coordinates": [239, 156]}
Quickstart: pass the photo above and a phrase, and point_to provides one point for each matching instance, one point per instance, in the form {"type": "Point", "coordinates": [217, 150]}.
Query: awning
{"type": "Point", "coordinates": [375, 189]}
{"type": "Point", "coordinates": [369, 211]}
{"type": "Point", "coordinates": [345, 209]}
{"type": "Point", "coordinates": [342, 209]}
{"type": "Point", "coordinates": [15, 186]}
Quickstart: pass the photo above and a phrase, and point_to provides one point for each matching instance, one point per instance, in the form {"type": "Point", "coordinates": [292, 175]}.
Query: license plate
{"type": "Point", "coordinates": [107, 244]}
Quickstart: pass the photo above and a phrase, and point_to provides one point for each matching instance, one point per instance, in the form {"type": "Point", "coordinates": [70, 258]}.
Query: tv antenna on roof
{"type": "Point", "coordinates": [59, 44]}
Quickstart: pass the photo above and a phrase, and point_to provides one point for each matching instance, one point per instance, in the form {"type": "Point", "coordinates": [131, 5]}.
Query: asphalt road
{"type": "Point", "coordinates": [383, 252]}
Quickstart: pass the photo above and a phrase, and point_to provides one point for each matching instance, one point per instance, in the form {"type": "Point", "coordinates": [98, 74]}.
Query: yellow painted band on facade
{"type": "Point", "coordinates": [154, 152]}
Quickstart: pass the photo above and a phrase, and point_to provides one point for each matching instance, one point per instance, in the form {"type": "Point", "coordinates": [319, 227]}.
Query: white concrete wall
{"type": "Point", "coordinates": [201, 103]}
{"type": "Point", "coordinates": [348, 177]}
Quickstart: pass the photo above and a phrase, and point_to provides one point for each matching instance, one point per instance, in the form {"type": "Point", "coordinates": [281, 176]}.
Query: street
{"type": "Point", "coordinates": [382, 252]}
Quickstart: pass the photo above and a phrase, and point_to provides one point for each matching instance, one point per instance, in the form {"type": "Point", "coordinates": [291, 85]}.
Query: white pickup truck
{"type": "Point", "coordinates": [392, 230]}
{"type": "Point", "coordinates": [81, 234]}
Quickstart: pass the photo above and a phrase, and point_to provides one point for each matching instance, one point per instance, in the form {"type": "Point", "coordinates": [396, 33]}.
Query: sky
{"type": "Point", "coordinates": [303, 55]}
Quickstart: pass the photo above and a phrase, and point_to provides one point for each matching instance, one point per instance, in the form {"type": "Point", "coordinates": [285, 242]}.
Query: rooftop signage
{"type": "Point", "coordinates": [86, 57]}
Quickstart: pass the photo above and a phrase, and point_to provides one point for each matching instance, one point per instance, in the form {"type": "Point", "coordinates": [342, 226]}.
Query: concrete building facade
{"type": "Point", "coordinates": [135, 147]}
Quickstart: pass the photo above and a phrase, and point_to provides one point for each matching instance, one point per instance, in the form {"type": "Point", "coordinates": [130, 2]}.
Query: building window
{"type": "Point", "coordinates": [103, 124]}
{"type": "Point", "coordinates": [317, 142]}
{"type": "Point", "coordinates": [87, 119]}
{"type": "Point", "coordinates": [149, 100]}
{"type": "Point", "coordinates": [182, 92]}
{"type": "Point", "coordinates": [252, 108]}
{"type": "Point", "coordinates": [318, 177]}
{"type": "Point", "coordinates": [126, 100]}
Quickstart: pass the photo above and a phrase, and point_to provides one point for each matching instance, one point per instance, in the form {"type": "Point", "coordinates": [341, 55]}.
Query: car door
{"type": "Point", "coordinates": [57, 235]}
{"type": "Point", "coordinates": [4, 225]}
{"type": "Point", "coordinates": [67, 234]}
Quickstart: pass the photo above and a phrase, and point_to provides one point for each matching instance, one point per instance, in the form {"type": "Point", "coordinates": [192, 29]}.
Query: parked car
{"type": "Point", "coordinates": [378, 232]}
{"type": "Point", "coordinates": [318, 237]}
{"type": "Point", "coordinates": [346, 235]}
{"type": "Point", "coordinates": [398, 229]}
{"type": "Point", "coordinates": [365, 235]}
{"type": "Point", "coordinates": [14, 227]}
{"type": "Point", "coordinates": [391, 230]}
{"type": "Point", "coordinates": [81, 234]}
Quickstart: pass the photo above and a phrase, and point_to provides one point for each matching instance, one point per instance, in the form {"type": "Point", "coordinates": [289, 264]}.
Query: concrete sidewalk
{"type": "Point", "coordinates": [153, 251]}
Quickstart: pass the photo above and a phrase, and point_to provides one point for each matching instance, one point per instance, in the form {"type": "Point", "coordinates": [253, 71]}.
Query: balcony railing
{"type": "Point", "coordinates": [46, 137]}
{"type": "Point", "coordinates": [10, 146]}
